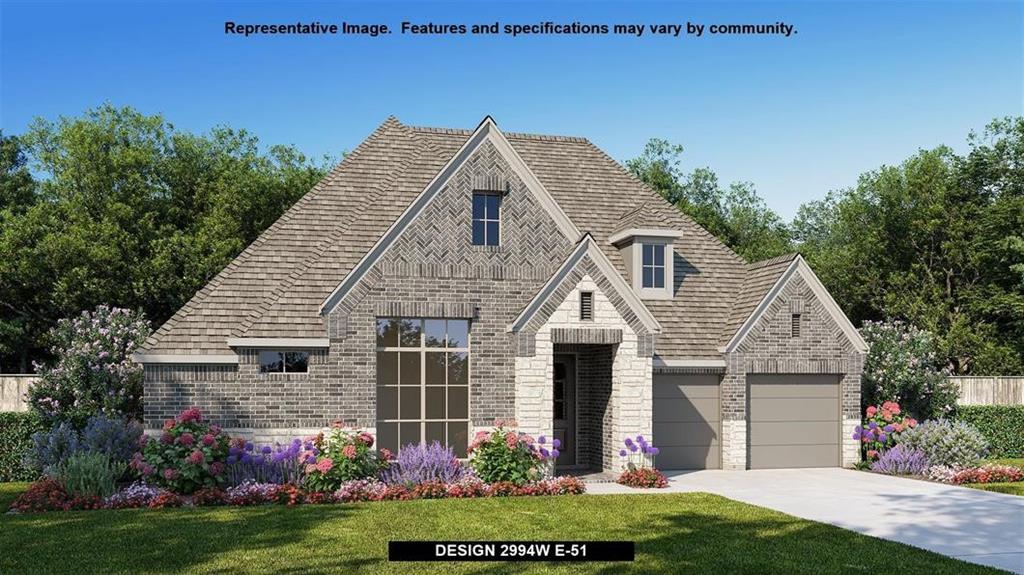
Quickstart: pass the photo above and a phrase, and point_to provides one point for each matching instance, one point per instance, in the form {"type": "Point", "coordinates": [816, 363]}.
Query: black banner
{"type": "Point", "coordinates": [510, 551]}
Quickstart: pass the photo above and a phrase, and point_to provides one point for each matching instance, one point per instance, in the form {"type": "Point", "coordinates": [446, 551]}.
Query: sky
{"type": "Point", "coordinates": [857, 86]}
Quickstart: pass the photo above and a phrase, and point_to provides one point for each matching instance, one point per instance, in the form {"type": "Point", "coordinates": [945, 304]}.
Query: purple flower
{"type": "Point", "coordinates": [632, 447]}
{"type": "Point", "coordinates": [545, 453]}
{"type": "Point", "coordinates": [267, 450]}
{"type": "Point", "coordinates": [629, 442]}
{"type": "Point", "coordinates": [556, 443]}
{"type": "Point", "coordinates": [622, 453]}
{"type": "Point", "coordinates": [542, 440]}
{"type": "Point", "coordinates": [554, 453]}
{"type": "Point", "coordinates": [888, 428]}
{"type": "Point", "coordinates": [881, 437]}
{"type": "Point", "coordinates": [249, 446]}
{"type": "Point", "coordinates": [872, 425]}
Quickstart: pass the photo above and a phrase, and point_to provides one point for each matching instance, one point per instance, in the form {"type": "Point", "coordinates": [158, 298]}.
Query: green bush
{"type": "Point", "coordinates": [16, 431]}
{"type": "Point", "coordinates": [944, 442]}
{"type": "Point", "coordinates": [1002, 426]}
{"type": "Point", "coordinates": [90, 474]}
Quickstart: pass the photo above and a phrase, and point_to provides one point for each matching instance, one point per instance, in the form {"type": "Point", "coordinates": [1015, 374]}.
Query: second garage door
{"type": "Point", "coordinates": [794, 421]}
{"type": "Point", "coordinates": [686, 421]}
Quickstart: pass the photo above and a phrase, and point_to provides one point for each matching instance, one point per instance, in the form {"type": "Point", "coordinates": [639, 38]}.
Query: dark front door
{"type": "Point", "coordinates": [565, 408]}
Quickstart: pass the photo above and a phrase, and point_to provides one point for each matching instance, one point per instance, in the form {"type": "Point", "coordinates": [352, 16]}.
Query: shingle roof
{"type": "Point", "coordinates": [275, 287]}
{"type": "Point", "coordinates": [760, 278]}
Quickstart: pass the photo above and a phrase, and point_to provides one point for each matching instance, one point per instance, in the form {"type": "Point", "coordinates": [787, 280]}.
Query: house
{"type": "Point", "coordinates": [438, 280]}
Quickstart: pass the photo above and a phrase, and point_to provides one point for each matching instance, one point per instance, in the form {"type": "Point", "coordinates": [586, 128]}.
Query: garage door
{"type": "Point", "coordinates": [686, 421]}
{"type": "Point", "coordinates": [794, 421]}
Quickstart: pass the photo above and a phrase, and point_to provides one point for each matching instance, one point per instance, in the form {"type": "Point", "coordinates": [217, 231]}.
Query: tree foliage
{"type": "Point", "coordinates": [735, 214]}
{"type": "Point", "coordinates": [937, 241]}
{"type": "Point", "coordinates": [129, 211]}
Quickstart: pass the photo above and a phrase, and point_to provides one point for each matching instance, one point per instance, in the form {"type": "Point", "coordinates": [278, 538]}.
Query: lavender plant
{"type": "Point", "coordinates": [248, 463]}
{"type": "Point", "coordinates": [93, 372]}
{"type": "Point", "coordinates": [421, 463]}
{"type": "Point", "coordinates": [50, 448]}
{"type": "Point", "coordinates": [901, 460]}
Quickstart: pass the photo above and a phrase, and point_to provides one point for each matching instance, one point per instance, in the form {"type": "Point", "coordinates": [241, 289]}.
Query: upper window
{"type": "Point", "coordinates": [653, 266]}
{"type": "Point", "coordinates": [486, 219]}
{"type": "Point", "coordinates": [284, 361]}
{"type": "Point", "coordinates": [423, 382]}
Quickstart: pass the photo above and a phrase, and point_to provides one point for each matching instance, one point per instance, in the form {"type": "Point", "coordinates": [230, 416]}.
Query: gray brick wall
{"type": "Point", "coordinates": [593, 402]}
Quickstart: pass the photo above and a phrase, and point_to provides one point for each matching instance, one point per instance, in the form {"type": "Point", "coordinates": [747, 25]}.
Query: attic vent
{"type": "Point", "coordinates": [796, 325]}
{"type": "Point", "coordinates": [586, 306]}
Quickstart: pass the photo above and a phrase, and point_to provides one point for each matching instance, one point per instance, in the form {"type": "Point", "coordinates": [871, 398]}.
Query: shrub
{"type": "Point", "coordinates": [50, 448]}
{"type": "Point", "coordinates": [90, 475]}
{"type": "Point", "coordinates": [360, 490]}
{"type": "Point", "coordinates": [247, 462]}
{"type": "Point", "coordinates": [418, 464]}
{"type": "Point", "coordinates": [901, 460]}
{"type": "Point", "coordinates": [955, 444]}
{"type": "Point", "coordinates": [343, 456]}
{"type": "Point", "coordinates": [136, 495]}
{"type": "Point", "coordinates": [644, 477]}
{"type": "Point", "coordinates": [1002, 426]}
{"type": "Point", "coordinates": [881, 427]}
{"type": "Point", "coordinates": [16, 430]}
{"type": "Point", "coordinates": [166, 499]}
{"type": "Point", "coordinates": [290, 495]}
{"type": "Point", "coordinates": [189, 454]}
{"type": "Point", "coordinates": [115, 437]}
{"type": "Point", "coordinates": [902, 366]}
{"type": "Point", "coordinates": [504, 455]}
{"type": "Point", "coordinates": [43, 495]}
{"type": "Point", "coordinates": [93, 372]}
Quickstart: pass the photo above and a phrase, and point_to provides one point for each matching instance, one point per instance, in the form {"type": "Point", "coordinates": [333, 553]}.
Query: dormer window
{"type": "Point", "coordinates": [653, 266]}
{"type": "Point", "coordinates": [647, 253]}
{"type": "Point", "coordinates": [486, 219]}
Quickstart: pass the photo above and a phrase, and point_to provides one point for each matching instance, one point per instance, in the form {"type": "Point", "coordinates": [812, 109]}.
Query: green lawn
{"type": "Point", "coordinates": [677, 533]}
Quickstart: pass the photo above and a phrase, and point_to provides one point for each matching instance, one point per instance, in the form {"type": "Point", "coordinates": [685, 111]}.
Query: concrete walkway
{"type": "Point", "coordinates": [968, 524]}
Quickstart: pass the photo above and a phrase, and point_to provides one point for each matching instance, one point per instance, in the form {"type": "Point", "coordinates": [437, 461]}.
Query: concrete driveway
{"type": "Point", "coordinates": [968, 524]}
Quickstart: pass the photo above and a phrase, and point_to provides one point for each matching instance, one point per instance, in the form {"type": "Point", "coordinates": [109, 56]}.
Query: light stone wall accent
{"type": "Point", "coordinates": [632, 411]}
{"type": "Point", "coordinates": [734, 444]}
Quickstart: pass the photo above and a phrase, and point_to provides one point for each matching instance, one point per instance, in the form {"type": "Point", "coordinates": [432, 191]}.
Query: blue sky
{"type": "Point", "coordinates": [859, 85]}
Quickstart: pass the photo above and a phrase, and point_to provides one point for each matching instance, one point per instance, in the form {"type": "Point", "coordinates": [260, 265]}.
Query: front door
{"type": "Point", "coordinates": [565, 408]}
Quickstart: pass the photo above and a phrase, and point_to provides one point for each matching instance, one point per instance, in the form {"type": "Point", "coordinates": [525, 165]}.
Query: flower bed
{"type": "Point", "coordinates": [639, 468]}
{"type": "Point", "coordinates": [48, 495]}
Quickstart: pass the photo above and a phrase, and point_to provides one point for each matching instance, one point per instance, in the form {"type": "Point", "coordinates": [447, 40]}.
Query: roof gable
{"type": "Point", "coordinates": [487, 131]}
{"type": "Point", "coordinates": [794, 266]}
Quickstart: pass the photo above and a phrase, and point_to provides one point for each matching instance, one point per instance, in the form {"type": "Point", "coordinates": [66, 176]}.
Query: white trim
{"type": "Point", "coordinates": [587, 246]}
{"type": "Point", "coordinates": [619, 237]}
{"type": "Point", "coordinates": [486, 131]}
{"type": "Point", "coordinates": [699, 363]}
{"type": "Point", "coordinates": [799, 266]}
{"type": "Point", "coordinates": [279, 342]}
{"type": "Point", "coordinates": [190, 359]}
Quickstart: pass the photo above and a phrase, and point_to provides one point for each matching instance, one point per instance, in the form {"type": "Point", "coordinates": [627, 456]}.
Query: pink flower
{"type": "Point", "coordinates": [386, 453]}
{"type": "Point", "coordinates": [170, 474]}
{"type": "Point", "coordinates": [511, 441]}
{"type": "Point", "coordinates": [310, 468]}
{"type": "Point", "coordinates": [324, 465]}
{"type": "Point", "coordinates": [349, 451]}
{"type": "Point", "coordinates": [191, 414]}
{"type": "Point", "coordinates": [216, 468]}
{"type": "Point", "coordinates": [886, 415]}
{"type": "Point", "coordinates": [872, 454]}
{"type": "Point", "coordinates": [143, 441]}
{"type": "Point", "coordinates": [365, 438]}
{"type": "Point", "coordinates": [209, 439]}
{"type": "Point", "coordinates": [872, 410]}
{"type": "Point", "coordinates": [899, 427]}
{"type": "Point", "coordinates": [148, 469]}
{"type": "Point", "coordinates": [168, 423]}
{"type": "Point", "coordinates": [911, 422]}
{"type": "Point", "coordinates": [186, 439]}
{"type": "Point", "coordinates": [196, 457]}
{"type": "Point", "coordinates": [166, 438]}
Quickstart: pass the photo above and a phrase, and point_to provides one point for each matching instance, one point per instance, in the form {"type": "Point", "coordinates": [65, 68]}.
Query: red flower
{"type": "Point", "coordinates": [209, 439]}
{"type": "Point", "coordinates": [196, 457]}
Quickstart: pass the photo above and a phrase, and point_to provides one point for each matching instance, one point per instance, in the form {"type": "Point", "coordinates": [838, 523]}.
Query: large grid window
{"type": "Point", "coordinates": [423, 382]}
{"type": "Point", "coordinates": [486, 219]}
{"type": "Point", "coordinates": [654, 266]}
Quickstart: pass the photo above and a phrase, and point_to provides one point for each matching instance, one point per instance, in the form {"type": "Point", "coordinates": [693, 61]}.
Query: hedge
{"type": "Point", "coordinates": [1002, 426]}
{"type": "Point", "coordinates": [16, 431]}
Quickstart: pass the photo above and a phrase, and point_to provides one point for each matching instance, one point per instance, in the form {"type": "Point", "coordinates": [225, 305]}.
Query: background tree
{"type": "Point", "coordinates": [128, 211]}
{"type": "Point", "coordinates": [736, 214]}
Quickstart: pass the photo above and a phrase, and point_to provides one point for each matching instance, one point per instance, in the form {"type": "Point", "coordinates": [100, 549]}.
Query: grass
{"type": "Point", "coordinates": [1016, 462]}
{"type": "Point", "coordinates": [9, 492]}
{"type": "Point", "coordinates": [674, 533]}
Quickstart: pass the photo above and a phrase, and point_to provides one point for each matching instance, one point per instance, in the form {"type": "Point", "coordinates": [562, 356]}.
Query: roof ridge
{"type": "Point", "coordinates": [516, 135]}
{"type": "Point", "coordinates": [245, 254]}
{"type": "Point", "coordinates": [772, 260]}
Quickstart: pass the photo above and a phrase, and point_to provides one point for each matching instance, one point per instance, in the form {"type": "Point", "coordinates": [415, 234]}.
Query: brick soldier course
{"type": "Point", "coordinates": [388, 233]}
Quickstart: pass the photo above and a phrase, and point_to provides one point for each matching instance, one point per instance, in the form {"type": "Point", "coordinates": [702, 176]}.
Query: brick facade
{"type": "Point", "coordinates": [769, 348]}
